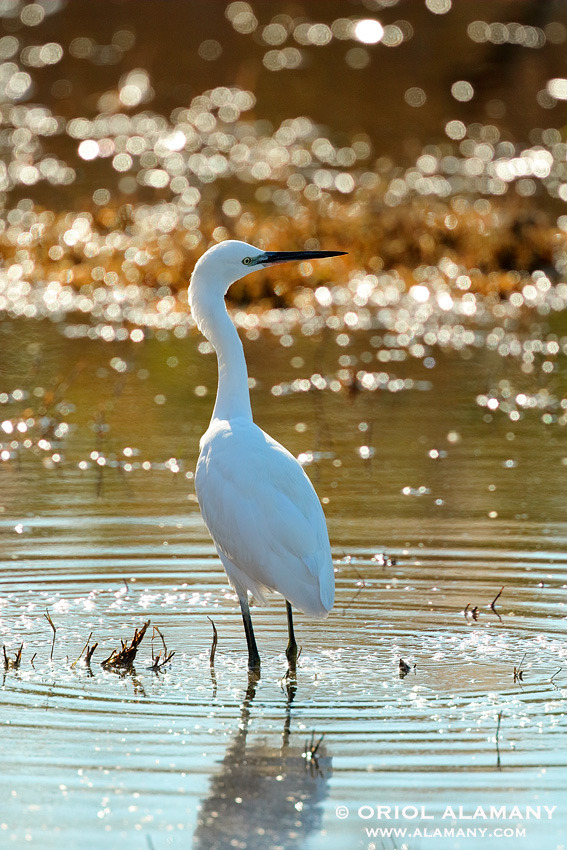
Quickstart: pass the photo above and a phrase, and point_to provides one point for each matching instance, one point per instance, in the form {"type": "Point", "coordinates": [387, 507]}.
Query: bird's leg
{"type": "Point", "coordinates": [253, 654]}
{"type": "Point", "coordinates": [291, 651]}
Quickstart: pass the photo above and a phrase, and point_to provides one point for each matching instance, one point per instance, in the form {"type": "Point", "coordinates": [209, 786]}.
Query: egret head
{"type": "Point", "coordinates": [227, 262]}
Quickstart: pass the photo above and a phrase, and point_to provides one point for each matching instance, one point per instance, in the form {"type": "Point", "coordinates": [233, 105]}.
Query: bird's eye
{"type": "Point", "coordinates": [247, 261]}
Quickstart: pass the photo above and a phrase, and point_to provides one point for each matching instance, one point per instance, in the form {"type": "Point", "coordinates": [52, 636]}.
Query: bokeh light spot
{"type": "Point", "coordinates": [368, 31]}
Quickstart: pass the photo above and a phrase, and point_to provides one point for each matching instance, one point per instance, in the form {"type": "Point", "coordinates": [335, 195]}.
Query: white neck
{"type": "Point", "coordinates": [233, 395]}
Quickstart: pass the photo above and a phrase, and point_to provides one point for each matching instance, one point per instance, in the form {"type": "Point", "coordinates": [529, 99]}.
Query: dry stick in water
{"type": "Point", "coordinates": [361, 585]}
{"type": "Point", "coordinates": [125, 656]}
{"type": "Point", "coordinates": [155, 629]}
{"type": "Point", "coordinates": [212, 657]}
{"type": "Point", "coordinates": [52, 624]}
{"type": "Point", "coordinates": [89, 649]}
{"type": "Point", "coordinates": [89, 653]}
{"type": "Point", "coordinates": [12, 663]}
{"type": "Point", "coordinates": [493, 603]}
{"type": "Point", "coordinates": [518, 672]}
{"type": "Point", "coordinates": [167, 656]}
{"type": "Point", "coordinates": [474, 612]}
{"type": "Point", "coordinates": [214, 644]}
{"type": "Point", "coordinates": [497, 739]}
{"type": "Point", "coordinates": [76, 661]}
{"type": "Point", "coordinates": [158, 665]}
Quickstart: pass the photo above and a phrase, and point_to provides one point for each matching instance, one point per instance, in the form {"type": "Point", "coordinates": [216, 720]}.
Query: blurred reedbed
{"type": "Point", "coordinates": [120, 167]}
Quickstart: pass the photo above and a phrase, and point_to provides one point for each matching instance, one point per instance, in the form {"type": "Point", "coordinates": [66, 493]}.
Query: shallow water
{"type": "Point", "coordinates": [419, 380]}
{"type": "Point", "coordinates": [427, 525]}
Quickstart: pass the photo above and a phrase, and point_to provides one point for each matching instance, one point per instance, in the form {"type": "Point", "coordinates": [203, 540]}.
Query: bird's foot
{"type": "Point", "coordinates": [254, 666]}
{"type": "Point", "coordinates": [292, 655]}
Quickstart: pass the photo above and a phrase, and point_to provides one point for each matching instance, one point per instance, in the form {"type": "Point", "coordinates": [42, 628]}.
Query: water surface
{"type": "Point", "coordinates": [419, 380]}
{"type": "Point", "coordinates": [428, 523]}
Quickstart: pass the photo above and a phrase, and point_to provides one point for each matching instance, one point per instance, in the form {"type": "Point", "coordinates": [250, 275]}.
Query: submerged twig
{"type": "Point", "coordinates": [167, 656]}
{"type": "Point", "coordinates": [214, 643]}
{"type": "Point", "coordinates": [52, 624]}
{"type": "Point", "coordinates": [12, 663]}
{"type": "Point", "coordinates": [405, 668]}
{"type": "Point", "coordinates": [497, 739]}
{"type": "Point", "coordinates": [155, 629]}
{"type": "Point", "coordinates": [89, 652]}
{"type": "Point", "coordinates": [361, 585]}
{"type": "Point", "coordinates": [310, 754]}
{"type": "Point", "coordinates": [159, 664]}
{"type": "Point", "coordinates": [518, 672]}
{"type": "Point", "coordinates": [473, 612]}
{"type": "Point", "coordinates": [212, 657]}
{"type": "Point", "coordinates": [493, 603]}
{"type": "Point", "coordinates": [125, 656]}
{"type": "Point", "coordinates": [498, 725]}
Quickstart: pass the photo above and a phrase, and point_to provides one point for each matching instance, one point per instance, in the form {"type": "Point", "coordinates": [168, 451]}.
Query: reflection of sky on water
{"type": "Point", "coordinates": [165, 755]}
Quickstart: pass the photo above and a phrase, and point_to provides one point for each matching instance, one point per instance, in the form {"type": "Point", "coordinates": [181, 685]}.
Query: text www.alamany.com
{"type": "Point", "coordinates": [445, 832]}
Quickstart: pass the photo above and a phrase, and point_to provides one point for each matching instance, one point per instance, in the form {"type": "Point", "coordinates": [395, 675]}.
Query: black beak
{"type": "Point", "coordinates": [271, 258]}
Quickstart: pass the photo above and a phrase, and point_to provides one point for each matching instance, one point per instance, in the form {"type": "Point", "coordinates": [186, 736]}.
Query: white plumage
{"type": "Point", "coordinates": [259, 505]}
{"type": "Point", "coordinates": [264, 516]}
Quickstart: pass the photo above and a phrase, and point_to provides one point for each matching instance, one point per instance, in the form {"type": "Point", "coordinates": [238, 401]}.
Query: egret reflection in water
{"type": "Point", "coordinates": [269, 796]}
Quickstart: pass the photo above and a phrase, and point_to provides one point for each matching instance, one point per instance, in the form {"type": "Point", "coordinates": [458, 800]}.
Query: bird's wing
{"type": "Point", "coordinates": [264, 514]}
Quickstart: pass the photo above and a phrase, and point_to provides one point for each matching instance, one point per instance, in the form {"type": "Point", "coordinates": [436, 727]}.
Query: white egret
{"type": "Point", "coordinates": [259, 505]}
